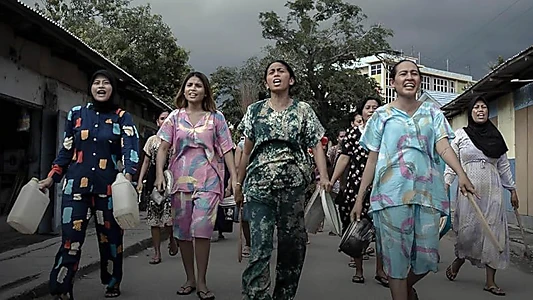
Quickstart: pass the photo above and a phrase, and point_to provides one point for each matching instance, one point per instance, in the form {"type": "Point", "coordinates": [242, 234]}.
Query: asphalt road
{"type": "Point", "coordinates": [326, 275]}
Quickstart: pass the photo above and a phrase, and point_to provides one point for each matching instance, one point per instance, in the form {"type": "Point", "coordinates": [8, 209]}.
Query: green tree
{"type": "Point", "coordinates": [132, 37]}
{"type": "Point", "coordinates": [323, 39]}
{"type": "Point", "coordinates": [496, 64]}
{"type": "Point", "coordinates": [237, 87]}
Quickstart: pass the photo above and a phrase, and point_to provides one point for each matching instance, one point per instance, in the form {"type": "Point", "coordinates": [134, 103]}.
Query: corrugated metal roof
{"type": "Point", "coordinates": [496, 83]}
{"type": "Point", "coordinates": [143, 88]}
{"type": "Point", "coordinates": [441, 97]}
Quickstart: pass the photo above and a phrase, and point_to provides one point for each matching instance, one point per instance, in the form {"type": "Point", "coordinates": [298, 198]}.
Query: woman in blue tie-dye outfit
{"type": "Point", "coordinates": [97, 136]}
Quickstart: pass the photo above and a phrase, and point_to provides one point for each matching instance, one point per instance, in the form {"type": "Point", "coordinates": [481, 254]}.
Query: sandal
{"type": "Point", "coordinates": [186, 290]}
{"type": "Point", "coordinates": [351, 264]}
{"type": "Point", "coordinates": [112, 292]}
{"type": "Point", "coordinates": [370, 251]}
{"type": "Point", "coordinates": [358, 279]}
{"type": "Point", "coordinates": [155, 261]}
{"type": "Point", "coordinates": [382, 280]}
{"type": "Point", "coordinates": [173, 253]}
{"type": "Point", "coordinates": [494, 290]}
{"type": "Point", "coordinates": [449, 271]}
{"type": "Point", "coordinates": [207, 295]}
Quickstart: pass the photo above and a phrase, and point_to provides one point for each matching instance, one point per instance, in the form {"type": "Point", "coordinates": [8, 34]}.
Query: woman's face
{"type": "Point", "coordinates": [194, 90]}
{"type": "Point", "coordinates": [369, 109]}
{"type": "Point", "coordinates": [407, 79]}
{"type": "Point", "coordinates": [161, 119]}
{"type": "Point", "coordinates": [101, 88]}
{"type": "Point", "coordinates": [480, 112]}
{"type": "Point", "coordinates": [278, 77]}
{"type": "Point", "coordinates": [357, 121]}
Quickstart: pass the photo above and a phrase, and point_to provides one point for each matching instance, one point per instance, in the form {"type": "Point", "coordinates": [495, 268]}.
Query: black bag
{"type": "Point", "coordinates": [357, 237]}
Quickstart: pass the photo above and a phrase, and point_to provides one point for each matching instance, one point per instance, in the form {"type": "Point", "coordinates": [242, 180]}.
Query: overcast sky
{"type": "Point", "coordinates": [469, 33]}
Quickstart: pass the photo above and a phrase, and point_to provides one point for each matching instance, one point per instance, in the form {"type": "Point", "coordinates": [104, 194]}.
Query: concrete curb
{"type": "Point", "coordinates": [42, 289]}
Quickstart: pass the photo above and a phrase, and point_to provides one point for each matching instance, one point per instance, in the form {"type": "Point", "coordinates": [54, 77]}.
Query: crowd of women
{"type": "Point", "coordinates": [395, 151]}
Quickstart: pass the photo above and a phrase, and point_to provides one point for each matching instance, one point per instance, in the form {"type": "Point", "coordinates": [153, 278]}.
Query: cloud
{"type": "Point", "coordinates": [470, 34]}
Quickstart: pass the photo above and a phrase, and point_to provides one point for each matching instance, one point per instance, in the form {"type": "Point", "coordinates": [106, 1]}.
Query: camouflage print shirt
{"type": "Point", "coordinates": [279, 159]}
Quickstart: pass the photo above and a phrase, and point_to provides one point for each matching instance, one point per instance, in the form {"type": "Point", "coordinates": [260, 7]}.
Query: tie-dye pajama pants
{"type": "Point", "coordinates": [77, 210]}
{"type": "Point", "coordinates": [283, 209]}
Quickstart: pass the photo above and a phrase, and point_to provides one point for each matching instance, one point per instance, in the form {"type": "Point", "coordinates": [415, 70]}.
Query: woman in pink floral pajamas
{"type": "Point", "coordinates": [200, 142]}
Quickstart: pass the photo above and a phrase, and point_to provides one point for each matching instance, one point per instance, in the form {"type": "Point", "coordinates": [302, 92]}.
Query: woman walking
{"type": "Point", "coordinates": [355, 156]}
{"type": "Point", "coordinates": [96, 137]}
{"type": "Point", "coordinates": [482, 152]}
{"type": "Point", "coordinates": [158, 214]}
{"type": "Point", "coordinates": [278, 131]}
{"type": "Point", "coordinates": [408, 194]}
{"type": "Point", "coordinates": [200, 143]}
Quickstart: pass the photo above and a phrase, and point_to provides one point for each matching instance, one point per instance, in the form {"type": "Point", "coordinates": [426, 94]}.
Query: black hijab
{"type": "Point", "coordinates": [486, 137]}
{"type": "Point", "coordinates": [111, 103]}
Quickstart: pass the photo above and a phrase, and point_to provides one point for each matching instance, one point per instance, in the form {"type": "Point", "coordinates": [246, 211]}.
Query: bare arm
{"type": "Point", "coordinates": [238, 157]}
{"type": "Point", "coordinates": [230, 163]}
{"type": "Point", "coordinates": [320, 160]}
{"type": "Point", "coordinates": [450, 158]}
{"type": "Point", "coordinates": [144, 168]}
{"type": "Point", "coordinates": [448, 155]}
{"type": "Point", "coordinates": [245, 160]}
{"type": "Point", "coordinates": [340, 166]}
{"type": "Point", "coordinates": [161, 159]}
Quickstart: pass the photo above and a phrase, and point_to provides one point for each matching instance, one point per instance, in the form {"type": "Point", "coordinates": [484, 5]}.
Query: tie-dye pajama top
{"type": "Point", "coordinates": [197, 151]}
{"type": "Point", "coordinates": [408, 169]}
{"type": "Point", "coordinates": [94, 142]}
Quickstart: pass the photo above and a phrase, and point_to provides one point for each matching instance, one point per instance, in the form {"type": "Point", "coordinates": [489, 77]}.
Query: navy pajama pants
{"type": "Point", "coordinates": [77, 211]}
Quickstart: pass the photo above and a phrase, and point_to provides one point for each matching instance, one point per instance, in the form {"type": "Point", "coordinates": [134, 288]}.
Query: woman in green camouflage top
{"type": "Point", "coordinates": [278, 131]}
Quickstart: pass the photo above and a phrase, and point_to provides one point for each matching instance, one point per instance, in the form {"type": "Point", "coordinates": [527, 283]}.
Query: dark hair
{"type": "Point", "coordinates": [393, 70]}
{"type": "Point", "coordinates": [208, 103]}
{"type": "Point", "coordinates": [160, 113]}
{"type": "Point", "coordinates": [287, 66]}
{"type": "Point", "coordinates": [361, 105]}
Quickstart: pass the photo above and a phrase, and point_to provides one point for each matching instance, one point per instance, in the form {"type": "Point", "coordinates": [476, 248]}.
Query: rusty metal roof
{"type": "Point", "coordinates": [496, 83]}
{"type": "Point", "coordinates": [33, 25]}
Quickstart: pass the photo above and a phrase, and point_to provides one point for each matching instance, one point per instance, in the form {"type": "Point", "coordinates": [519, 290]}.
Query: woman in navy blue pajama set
{"type": "Point", "coordinates": [97, 136]}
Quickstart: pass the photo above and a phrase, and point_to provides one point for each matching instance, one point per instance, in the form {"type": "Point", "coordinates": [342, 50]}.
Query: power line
{"type": "Point", "coordinates": [481, 28]}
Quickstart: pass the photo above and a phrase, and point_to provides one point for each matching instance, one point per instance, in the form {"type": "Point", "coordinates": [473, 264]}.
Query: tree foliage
{"type": "Point", "coordinates": [322, 40]}
{"type": "Point", "coordinates": [132, 37]}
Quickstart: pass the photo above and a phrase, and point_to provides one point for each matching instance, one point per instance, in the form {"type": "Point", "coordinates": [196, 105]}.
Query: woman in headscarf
{"type": "Point", "coordinates": [278, 131]}
{"type": "Point", "coordinates": [97, 136]}
{"type": "Point", "coordinates": [482, 151]}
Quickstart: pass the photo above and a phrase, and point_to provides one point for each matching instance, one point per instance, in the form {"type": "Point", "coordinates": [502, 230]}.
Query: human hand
{"type": "Point", "coordinates": [46, 183]}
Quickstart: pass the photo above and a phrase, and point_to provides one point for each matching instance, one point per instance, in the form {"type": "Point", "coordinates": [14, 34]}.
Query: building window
{"type": "Point", "coordinates": [375, 69]}
{"type": "Point", "coordinates": [426, 83]}
{"type": "Point", "coordinates": [390, 94]}
{"type": "Point", "coordinates": [440, 85]}
{"type": "Point", "coordinates": [452, 86]}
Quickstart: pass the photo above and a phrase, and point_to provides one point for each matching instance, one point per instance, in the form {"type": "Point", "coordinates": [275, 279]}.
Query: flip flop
{"type": "Point", "coordinates": [186, 290]}
{"type": "Point", "coordinates": [382, 280]}
{"type": "Point", "coordinates": [173, 253]}
{"type": "Point", "coordinates": [155, 261]}
{"type": "Point", "coordinates": [203, 295]}
{"type": "Point", "coordinates": [358, 279]}
{"type": "Point", "coordinates": [112, 292]}
{"type": "Point", "coordinates": [494, 290]}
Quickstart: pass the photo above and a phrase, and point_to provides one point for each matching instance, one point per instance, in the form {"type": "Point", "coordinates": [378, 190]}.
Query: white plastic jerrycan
{"type": "Point", "coordinates": [29, 208]}
{"type": "Point", "coordinates": [125, 205]}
